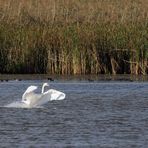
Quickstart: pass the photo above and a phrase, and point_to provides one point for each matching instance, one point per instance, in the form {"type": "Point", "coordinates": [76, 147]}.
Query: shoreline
{"type": "Point", "coordinates": [89, 78]}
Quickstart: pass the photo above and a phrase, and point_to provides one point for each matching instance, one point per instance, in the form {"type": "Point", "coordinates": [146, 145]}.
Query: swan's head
{"type": "Point", "coordinates": [45, 84]}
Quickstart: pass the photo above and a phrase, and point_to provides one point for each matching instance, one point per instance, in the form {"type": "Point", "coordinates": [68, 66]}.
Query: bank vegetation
{"type": "Point", "coordinates": [74, 36]}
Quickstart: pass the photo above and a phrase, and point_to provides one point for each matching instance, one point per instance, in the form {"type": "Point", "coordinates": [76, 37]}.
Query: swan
{"type": "Point", "coordinates": [32, 99]}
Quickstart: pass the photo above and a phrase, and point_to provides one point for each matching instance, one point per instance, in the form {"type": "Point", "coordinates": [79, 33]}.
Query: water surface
{"type": "Point", "coordinates": [94, 114]}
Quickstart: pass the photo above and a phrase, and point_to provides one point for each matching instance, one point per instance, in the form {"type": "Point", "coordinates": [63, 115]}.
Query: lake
{"type": "Point", "coordinates": [106, 114]}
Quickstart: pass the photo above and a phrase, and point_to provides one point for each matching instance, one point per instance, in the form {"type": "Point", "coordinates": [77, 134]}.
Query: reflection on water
{"type": "Point", "coordinates": [94, 114]}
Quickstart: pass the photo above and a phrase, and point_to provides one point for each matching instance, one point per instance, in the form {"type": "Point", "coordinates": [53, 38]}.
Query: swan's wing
{"type": "Point", "coordinates": [49, 96]}
{"type": "Point", "coordinates": [31, 89]}
{"type": "Point", "coordinates": [53, 94]}
{"type": "Point", "coordinates": [29, 92]}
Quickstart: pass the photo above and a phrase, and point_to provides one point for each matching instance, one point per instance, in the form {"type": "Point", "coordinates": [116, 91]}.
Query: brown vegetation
{"type": "Point", "coordinates": [74, 36]}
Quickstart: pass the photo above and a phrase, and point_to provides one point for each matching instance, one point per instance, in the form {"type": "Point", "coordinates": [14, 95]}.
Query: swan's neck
{"type": "Point", "coordinates": [43, 89]}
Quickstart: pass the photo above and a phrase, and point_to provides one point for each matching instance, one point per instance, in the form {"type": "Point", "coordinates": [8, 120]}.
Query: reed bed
{"type": "Point", "coordinates": [74, 36]}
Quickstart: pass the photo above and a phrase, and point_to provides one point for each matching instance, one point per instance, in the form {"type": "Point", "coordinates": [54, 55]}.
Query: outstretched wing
{"type": "Point", "coordinates": [49, 96]}
{"type": "Point", "coordinates": [29, 90]}
{"type": "Point", "coordinates": [53, 94]}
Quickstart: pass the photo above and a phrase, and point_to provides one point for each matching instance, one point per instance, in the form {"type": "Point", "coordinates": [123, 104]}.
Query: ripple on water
{"type": "Point", "coordinates": [92, 115]}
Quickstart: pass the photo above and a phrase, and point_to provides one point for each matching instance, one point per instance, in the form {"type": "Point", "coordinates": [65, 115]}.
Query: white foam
{"type": "Point", "coordinates": [19, 104]}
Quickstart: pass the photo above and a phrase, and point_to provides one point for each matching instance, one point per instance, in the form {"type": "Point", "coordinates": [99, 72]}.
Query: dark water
{"type": "Point", "coordinates": [98, 114]}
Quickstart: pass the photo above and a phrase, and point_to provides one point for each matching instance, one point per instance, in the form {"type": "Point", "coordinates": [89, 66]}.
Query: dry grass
{"type": "Point", "coordinates": [74, 36]}
{"type": "Point", "coordinates": [71, 11]}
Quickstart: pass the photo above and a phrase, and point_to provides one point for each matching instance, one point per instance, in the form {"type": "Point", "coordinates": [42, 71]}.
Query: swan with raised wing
{"type": "Point", "coordinates": [32, 99]}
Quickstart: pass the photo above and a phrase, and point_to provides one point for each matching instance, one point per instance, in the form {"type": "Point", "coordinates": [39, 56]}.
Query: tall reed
{"type": "Point", "coordinates": [74, 36]}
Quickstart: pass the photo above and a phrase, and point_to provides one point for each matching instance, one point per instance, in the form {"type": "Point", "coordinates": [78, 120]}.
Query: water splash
{"type": "Point", "coordinates": [20, 104]}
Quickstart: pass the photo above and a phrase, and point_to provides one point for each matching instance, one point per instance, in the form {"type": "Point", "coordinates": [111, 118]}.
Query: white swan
{"type": "Point", "coordinates": [33, 99]}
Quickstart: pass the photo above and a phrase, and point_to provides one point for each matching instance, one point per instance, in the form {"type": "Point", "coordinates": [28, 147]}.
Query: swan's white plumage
{"type": "Point", "coordinates": [30, 89]}
{"type": "Point", "coordinates": [55, 95]}
{"type": "Point", "coordinates": [29, 95]}
{"type": "Point", "coordinates": [33, 99]}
